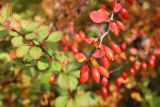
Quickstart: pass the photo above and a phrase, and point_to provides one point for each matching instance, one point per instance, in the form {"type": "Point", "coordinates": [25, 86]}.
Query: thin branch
{"type": "Point", "coordinates": [107, 32]}
{"type": "Point", "coordinates": [117, 69]}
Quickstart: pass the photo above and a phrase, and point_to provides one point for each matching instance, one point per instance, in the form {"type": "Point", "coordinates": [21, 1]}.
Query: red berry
{"type": "Point", "coordinates": [118, 82]}
{"type": "Point", "coordinates": [151, 63]}
{"type": "Point", "coordinates": [108, 53]}
{"type": "Point", "coordinates": [137, 65]}
{"type": "Point", "coordinates": [157, 52]}
{"type": "Point", "coordinates": [12, 54]}
{"type": "Point", "coordinates": [144, 66]}
{"type": "Point", "coordinates": [84, 77]}
{"type": "Point", "coordinates": [123, 46]}
{"type": "Point", "coordinates": [152, 57]}
{"type": "Point", "coordinates": [85, 68]}
{"type": "Point", "coordinates": [124, 75]}
{"type": "Point", "coordinates": [51, 80]}
{"type": "Point", "coordinates": [95, 75]}
{"type": "Point", "coordinates": [105, 62]}
{"type": "Point", "coordinates": [74, 49]}
{"type": "Point", "coordinates": [102, 71]}
{"type": "Point", "coordinates": [114, 28]}
{"type": "Point", "coordinates": [120, 25]}
{"type": "Point", "coordinates": [82, 35]}
{"type": "Point", "coordinates": [115, 47]}
{"type": "Point", "coordinates": [132, 71]}
{"type": "Point", "coordinates": [104, 81]}
{"type": "Point", "coordinates": [104, 92]}
{"type": "Point", "coordinates": [124, 13]}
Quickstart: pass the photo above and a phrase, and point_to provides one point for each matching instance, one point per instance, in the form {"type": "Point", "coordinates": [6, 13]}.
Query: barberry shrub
{"type": "Point", "coordinates": [55, 70]}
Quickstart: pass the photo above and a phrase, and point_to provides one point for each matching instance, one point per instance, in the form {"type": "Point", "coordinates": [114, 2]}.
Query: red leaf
{"type": "Point", "coordinates": [98, 54]}
{"type": "Point", "coordinates": [80, 57]}
{"type": "Point", "coordinates": [99, 16]}
{"type": "Point", "coordinates": [116, 6]}
{"type": "Point", "coordinates": [104, 14]}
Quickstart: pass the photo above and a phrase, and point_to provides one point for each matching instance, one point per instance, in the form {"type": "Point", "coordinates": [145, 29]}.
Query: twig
{"type": "Point", "coordinates": [117, 69]}
{"type": "Point", "coordinates": [107, 32]}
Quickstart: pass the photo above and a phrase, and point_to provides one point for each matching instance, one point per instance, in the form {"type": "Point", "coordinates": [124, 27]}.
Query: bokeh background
{"type": "Point", "coordinates": [20, 87]}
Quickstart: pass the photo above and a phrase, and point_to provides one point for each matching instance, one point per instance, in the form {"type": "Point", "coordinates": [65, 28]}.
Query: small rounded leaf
{"type": "Point", "coordinates": [17, 41]}
{"type": "Point", "coordinates": [42, 64]}
{"type": "Point", "coordinates": [35, 52]}
{"type": "Point", "coordinates": [22, 51]}
{"type": "Point", "coordinates": [55, 36]}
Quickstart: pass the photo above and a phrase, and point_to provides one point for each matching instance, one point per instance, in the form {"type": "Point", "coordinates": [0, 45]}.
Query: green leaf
{"type": "Point", "coordinates": [42, 64]}
{"type": "Point", "coordinates": [71, 103]}
{"type": "Point", "coordinates": [61, 101]}
{"type": "Point", "coordinates": [155, 102]}
{"type": "Point", "coordinates": [67, 82]}
{"type": "Point", "coordinates": [35, 52]}
{"type": "Point", "coordinates": [60, 90]}
{"type": "Point", "coordinates": [63, 81]}
{"type": "Point", "coordinates": [55, 66]}
{"type": "Point", "coordinates": [5, 12]}
{"type": "Point", "coordinates": [42, 32]}
{"type": "Point", "coordinates": [92, 98]}
{"type": "Point", "coordinates": [22, 51]}
{"type": "Point", "coordinates": [82, 100]}
{"type": "Point", "coordinates": [44, 79]}
{"type": "Point", "coordinates": [3, 33]}
{"type": "Point", "coordinates": [31, 36]}
{"type": "Point", "coordinates": [17, 41]}
{"type": "Point", "coordinates": [55, 37]}
{"type": "Point", "coordinates": [31, 26]}
{"type": "Point", "coordinates": [75, 73]}
{"type": "Point", "coordinates": [27, 58]}
{"type": "Point", "coordinates": [73, 82]}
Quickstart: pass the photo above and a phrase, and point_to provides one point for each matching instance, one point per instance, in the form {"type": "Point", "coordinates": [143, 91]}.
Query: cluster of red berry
{"type": "Point", "coordinates": [99, 73]}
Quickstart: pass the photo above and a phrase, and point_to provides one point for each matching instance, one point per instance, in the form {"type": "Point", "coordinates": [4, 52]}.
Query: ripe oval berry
{"type": "Point", "coordinates": [104, 92]}
{"type": "Point", "coordinates": [120, 25]}
{"type": "Point", "coordinates": [124, 75]}
{"type": "Point", "coordinates": [123, 46]}
{"type": "Point", "coordinates": [151, 63]}
{"type": "Point", "coordinates": [157, 52]}
{"type": "Point", "coordinates": [137, 65]}
{"type": "Point", "coordinates": [124, 13]}
{"type": "Point", "coordinates": [82, 35]}
{"type": "Point", "coordinates": [74, 49]}
{"type": "Point", "coordinates": [95, 75]}
{"type": "Point", "coordinates": [12, 54]}
{"type": "Point", "coordinates": [108, 53]}
{"type": "Point", "coordinates": [51, 80]}
{"type": "Point", "coordinates": [132, 71]}
{"type": "Point", "coordinates": [105, 62]}
{"type": "Point", "coordinates": [84, 77]}
{"type": "Point", "coordinates": [102, 71]}
{"type": "Point", "coordinates": [144, 66]}
{"type": "Point", "coordinates": [118, 82]}
{"type": "Point", "coordinates": [104, 81]}
{"type": "Point", "coordinates": [115, 47]}
{"type": "Point", "coordinates": [152, 57]}
{"type": "Point", "coordinates": [85, 68]}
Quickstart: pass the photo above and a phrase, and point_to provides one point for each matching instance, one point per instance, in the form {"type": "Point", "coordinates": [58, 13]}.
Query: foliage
{"type": "Point", "coordinates": [51, 54]}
